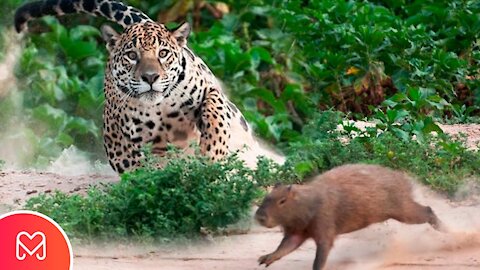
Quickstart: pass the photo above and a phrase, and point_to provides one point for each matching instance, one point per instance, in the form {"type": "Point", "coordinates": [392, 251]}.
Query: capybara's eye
{"type": "Point", "coordinates": [282, 201]}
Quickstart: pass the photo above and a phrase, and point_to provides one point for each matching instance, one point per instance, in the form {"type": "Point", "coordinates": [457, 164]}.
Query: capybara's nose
{"type": "Point", "coordinates": [260, 216]}
{"type": "Point", "coordinates": [261, 219]}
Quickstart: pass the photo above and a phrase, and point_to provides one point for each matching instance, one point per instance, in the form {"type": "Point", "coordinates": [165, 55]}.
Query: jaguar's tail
{"type": "Point", "coordinates": [111, 9]}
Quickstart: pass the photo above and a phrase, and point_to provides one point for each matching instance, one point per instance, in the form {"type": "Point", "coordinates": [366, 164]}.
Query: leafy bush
{"type": "Point", "coordinates": [62, 92]}
{"type": "Point", "coordinates": [283, 60]}
{"type": "Point", "coordinates": [188, 196]}
{"type": "Point", "coordinates": [405, 113]}
{"type": "Point", "coordinates": [362, 44]}
{"type": "Point", "coordinates": [439, 161]}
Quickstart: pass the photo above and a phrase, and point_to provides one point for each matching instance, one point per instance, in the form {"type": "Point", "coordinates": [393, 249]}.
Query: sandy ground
{"type": "Point", "coordinates": [472, 132]}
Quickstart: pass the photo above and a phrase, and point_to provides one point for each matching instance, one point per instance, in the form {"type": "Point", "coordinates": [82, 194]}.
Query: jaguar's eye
{"type": "Point", "coordinates": [132, 55]}
{"type": "Point", "coordinates": [163, 53]}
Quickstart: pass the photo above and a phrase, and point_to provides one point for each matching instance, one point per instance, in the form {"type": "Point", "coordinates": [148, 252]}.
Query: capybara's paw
{"type": "Point", "coordinates": [266, 259]}
{"type": "Point", "coordinates": [441, 227]}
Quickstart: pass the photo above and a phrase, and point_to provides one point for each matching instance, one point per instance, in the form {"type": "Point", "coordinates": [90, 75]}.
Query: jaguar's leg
{"type": "Point", "coordinates": [214, 124]}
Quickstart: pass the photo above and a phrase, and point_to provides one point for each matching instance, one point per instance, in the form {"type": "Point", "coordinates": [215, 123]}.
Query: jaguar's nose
{"type": "Point", "coordinates": [150, 78]}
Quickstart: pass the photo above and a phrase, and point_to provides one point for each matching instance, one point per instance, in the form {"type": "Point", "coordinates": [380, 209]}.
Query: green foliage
{"type": "Point", "coordinates": [431, 44]}
{"type": "Point", "coordinates": [438, 161]}
{"type": "Point", "coordinates": [261, 69]}
{"type": "Point", "coordinates": [405, 113]}
{"type": "Point", "coordinates": [62, 89]}
{"type": "Point", "coordinates": [402, 64]}
{"type": "Point", "coordinates": [190, 195]}
{"type": "Point", "coordinates": [348, 54]}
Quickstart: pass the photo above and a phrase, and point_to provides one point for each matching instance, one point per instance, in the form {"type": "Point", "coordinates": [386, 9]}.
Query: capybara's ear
{"type": "Point", "coordinates": [291, 191]}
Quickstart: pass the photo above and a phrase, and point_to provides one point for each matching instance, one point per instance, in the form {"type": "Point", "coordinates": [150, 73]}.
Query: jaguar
{"type": "Point", "coordinates": [157, 91]}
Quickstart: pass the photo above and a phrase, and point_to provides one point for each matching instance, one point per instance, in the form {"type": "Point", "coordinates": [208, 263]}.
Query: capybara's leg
{"type": "Point", "coordinates": [436, 223]}
{"type": "Point", "coordinates": [289, 243]}
{"type": "Point", "coordinates": [414, 213]}
{"type": "Point", "coordinates": [323, 248]}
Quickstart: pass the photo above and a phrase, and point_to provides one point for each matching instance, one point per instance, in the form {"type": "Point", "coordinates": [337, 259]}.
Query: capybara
{"type": "Point", "coordinates": [341, 200]}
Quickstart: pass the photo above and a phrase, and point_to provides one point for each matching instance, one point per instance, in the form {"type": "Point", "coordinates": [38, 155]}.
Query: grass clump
{"type": "Point", "coordinates": [188, 196]}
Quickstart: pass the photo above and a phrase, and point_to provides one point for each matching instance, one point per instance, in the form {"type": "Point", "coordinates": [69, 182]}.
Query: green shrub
{"type": "Point", "coordinates": [354, 46]}
{"type": "Point", "coordinates": [61, 93]}
{"type": "Point", "coordinates": [405, 114]}
{"type": "Point", "coordinates": [188, 196]}
{"type": "Point", "coordinates": [439, 161]}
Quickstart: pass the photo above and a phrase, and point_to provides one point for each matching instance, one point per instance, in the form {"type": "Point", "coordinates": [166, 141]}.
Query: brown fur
{"type": "Point", "coordinates": [342, 200]}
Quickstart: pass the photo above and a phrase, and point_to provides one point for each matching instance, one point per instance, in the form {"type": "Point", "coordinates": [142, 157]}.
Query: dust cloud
{"type": "Point", "coordinates": [256, 148]}
{"type": "Point", "coordinates": [18, 143]}
{"type": "Point", "coordinates": [15, 148]}
{"type": "Point", "coordinates": [250, 147]}
{"type": "Point", "coordinates": [7, 77]}
{"type": "Point", "coordinates": [460, 219]}
{"type": "Point", "coordinates": [394, 245]}
{"type": "Point", "coordinates": [73, 162]}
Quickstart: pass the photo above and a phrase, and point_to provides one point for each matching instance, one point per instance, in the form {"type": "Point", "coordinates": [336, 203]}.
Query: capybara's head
{"type": "Point", "coordinates": [276, 206]}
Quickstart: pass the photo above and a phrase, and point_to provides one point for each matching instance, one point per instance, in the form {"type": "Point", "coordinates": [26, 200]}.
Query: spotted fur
{"type": "Point", "coordinates": [156, 89]}
{"type": "Point", "coordinates": [112, 10]}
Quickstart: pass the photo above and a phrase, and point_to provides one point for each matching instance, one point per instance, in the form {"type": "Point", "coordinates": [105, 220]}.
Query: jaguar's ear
{"type": "Point", "coordinates": [181, 33]}
{"type": "Point", "coordinates": [110, 36]}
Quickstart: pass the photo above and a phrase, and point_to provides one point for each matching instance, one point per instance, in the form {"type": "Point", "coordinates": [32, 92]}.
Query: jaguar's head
{"type": "Point", "coordinates": [146, 61]}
